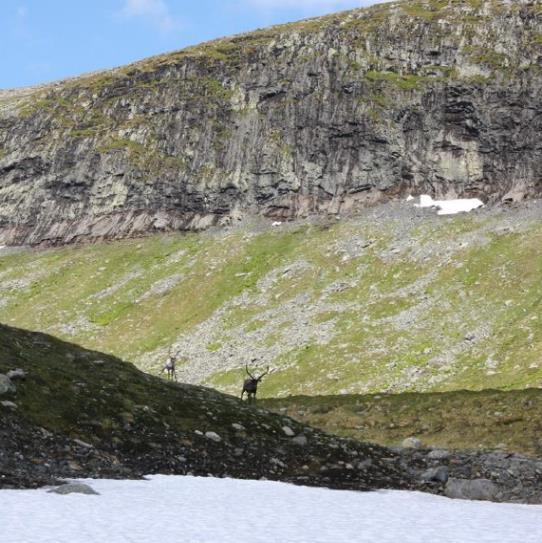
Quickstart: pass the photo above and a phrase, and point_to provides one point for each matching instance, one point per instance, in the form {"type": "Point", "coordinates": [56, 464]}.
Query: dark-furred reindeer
{"type": "Point", "coordinates": [250, 385]}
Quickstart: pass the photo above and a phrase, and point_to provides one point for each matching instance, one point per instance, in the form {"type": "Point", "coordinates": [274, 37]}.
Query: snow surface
{"type": "Point", "coordinates": [166, 509]}
{"type": "Point", "coordinates": [450, 207]}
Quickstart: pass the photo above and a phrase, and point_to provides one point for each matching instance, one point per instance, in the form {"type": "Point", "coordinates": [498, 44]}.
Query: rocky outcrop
{"type": "Point", "coordinates": [321, 116]}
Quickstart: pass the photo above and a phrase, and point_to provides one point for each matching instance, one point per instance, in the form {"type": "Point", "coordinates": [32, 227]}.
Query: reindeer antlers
{"type": "Point", "coordinates": [252, 376]}
{"type": "Point", "coordinates": [175, 354]}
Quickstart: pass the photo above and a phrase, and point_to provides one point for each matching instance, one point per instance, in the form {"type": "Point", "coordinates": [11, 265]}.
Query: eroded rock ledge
{"type": "Point", "coordinates": [322, 116]}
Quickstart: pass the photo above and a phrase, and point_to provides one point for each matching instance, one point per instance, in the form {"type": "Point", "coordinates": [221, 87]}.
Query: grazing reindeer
{"type": "Point", "coordinates": [169, 368]}
{"type": "Point", "coordinates": [250, 385]}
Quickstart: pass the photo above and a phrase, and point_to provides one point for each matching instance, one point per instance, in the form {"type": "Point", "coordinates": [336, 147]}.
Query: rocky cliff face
{"type": "Point", "coordinates": [325, 115]}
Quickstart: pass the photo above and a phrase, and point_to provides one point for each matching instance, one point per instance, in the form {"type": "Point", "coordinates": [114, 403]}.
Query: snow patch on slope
{"type": "Point", "coordinates": [449, 207]}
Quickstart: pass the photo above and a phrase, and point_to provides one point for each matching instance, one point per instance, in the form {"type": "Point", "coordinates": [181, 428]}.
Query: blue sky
{"type": "Point", "coordinates": [45, 40]}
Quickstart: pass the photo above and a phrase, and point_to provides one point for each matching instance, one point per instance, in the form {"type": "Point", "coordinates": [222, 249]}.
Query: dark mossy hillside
{"type": "Point", "coordinates": [81, 413]}
{"type": "Point", "coordinates": [72, 413]}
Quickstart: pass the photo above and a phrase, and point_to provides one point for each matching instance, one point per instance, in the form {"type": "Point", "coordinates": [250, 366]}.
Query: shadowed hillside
{"type": "Point", "coordinates": [69, 412]}
{"type": "Point", "coordinates": [510, 421]}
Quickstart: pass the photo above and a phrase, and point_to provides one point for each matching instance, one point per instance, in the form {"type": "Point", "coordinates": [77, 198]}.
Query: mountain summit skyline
{"type": "Point", "coordinates": [50, 41]}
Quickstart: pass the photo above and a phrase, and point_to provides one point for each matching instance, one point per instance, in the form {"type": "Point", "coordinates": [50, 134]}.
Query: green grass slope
{"type": "Point", "coordinates": [395, 300]}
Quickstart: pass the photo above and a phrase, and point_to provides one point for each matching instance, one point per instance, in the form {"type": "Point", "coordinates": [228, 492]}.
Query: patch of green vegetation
{"type": "Point", "coordinates": [214, 347]}
{"type": "Point", "coordinates": [37, 103]}
{"type": "Point", "coordinates": [429, 10]}
{"type": "Point", "coordinates": [145, 157]}
{"type": "Point", "coordinates": [486, 56]}
{"type": "Point", "coordinates": [104, 318]}
{"type": "Point", "coordinates": [478, 79]}
{"type": "Point", "coordinates": [369, 20]}
{"type": "Point", "coordinates": [455, 420]}
{"type": "Point", "coordinates": [96, 83]}
{"type": "Point", "coordinates": [214, 88]}
{"type": "Point", "coordinates": [84, 133]}
{"type": "Point", "coordinates": [119, 144]}
{"type": "Point", "coordinates": [404, 82]}
{"type": "Point", "coordinates": [255, 325]}
{"type": "Point", "coordinates": [231, 379]}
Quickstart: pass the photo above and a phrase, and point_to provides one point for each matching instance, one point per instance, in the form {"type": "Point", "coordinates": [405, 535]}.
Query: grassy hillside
{"type": "Point", "coordinates": [81, 413]}
{"type": "Point", "coordinates": [395, 300]}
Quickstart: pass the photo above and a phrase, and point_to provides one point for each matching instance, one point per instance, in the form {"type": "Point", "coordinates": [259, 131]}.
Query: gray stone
{"type": "Point", "coordinates": [8, 404]}
{"type": "Point", "coordinates": [437, 475]}
{"type": "Point", "coordinates": [16, 374]}
{"type": "Point", "coordinates": [213, 436]}
{"type": "Point", "coordinates": [5, 384]}
{"type": "Point", "coordinates": [471, 489]}
{"type": "Point", "coordinates": [83, 444]}
{"type": "Point", "coordinates": [364, 464]}
{"type": "Point", "coordinates": [438, 454]}
{"type": "Point", "coordinates": [74, 488]}
{"type": "Point", "coordinates": [300, 440]}
{"type": "Point", "coordinates": [288, 431]}
{"type": "Point", "coordinates": [411, 443]}
{"type": "Point", "coordinates": [278, 462]}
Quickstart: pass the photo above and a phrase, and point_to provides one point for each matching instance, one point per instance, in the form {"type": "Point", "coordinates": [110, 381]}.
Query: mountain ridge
{"type": "Point", "coordinates": [323, 116]}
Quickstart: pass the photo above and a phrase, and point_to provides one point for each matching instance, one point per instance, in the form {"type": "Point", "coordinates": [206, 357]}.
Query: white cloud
{"type": "Point", "coordinates": [308, 4]}
{"type": "Point", "coordinates": [156, 11]}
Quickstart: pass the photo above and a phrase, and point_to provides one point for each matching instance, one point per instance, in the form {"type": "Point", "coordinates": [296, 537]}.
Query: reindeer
{"type": "Point", "coordinates": [169, 368]}
{"type": "Point", "coordinates": [250, 385]}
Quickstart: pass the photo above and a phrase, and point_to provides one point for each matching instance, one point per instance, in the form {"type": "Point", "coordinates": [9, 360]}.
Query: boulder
{"type": "Point", "coordinates": [411, 443]}
{"type": "Point", "coordinates": [365, 464]}
{"type": "Point", "coordinates": [288, 431]}
{"type": "Point", "coordinates": [300, 440]}
{"type": "Point", "coordinates": [438, 454]}
{"type": "Point", "coordinates": [513, 196]}
{"type": "Point", "coordinates": [16, 374]}
{"type": "Point", "coordinates": [435, 475]}
{"type": "Point", "coordinates": [5, 384]}
{"type": "Point", "coordinates": [74, 488]}
{"type": "Point", "coordinates": [213, 436]}
{"type": "Point", "coordinates": [471, 489]}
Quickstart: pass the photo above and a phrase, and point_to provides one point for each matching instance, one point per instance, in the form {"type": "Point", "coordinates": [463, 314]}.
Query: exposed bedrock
{"type": "Point", "coordinates": [321, 116]}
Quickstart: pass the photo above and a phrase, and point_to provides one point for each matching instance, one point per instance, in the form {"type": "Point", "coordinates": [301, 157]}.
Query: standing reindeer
{"type": "Point", "coordinates": [250, 385]}
{"type": "Point", "coordinates": [169, 368]}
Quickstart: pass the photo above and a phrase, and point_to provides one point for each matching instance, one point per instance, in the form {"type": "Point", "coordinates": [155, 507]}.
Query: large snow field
{"type": "Point", "coordinates": [166, 509]}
